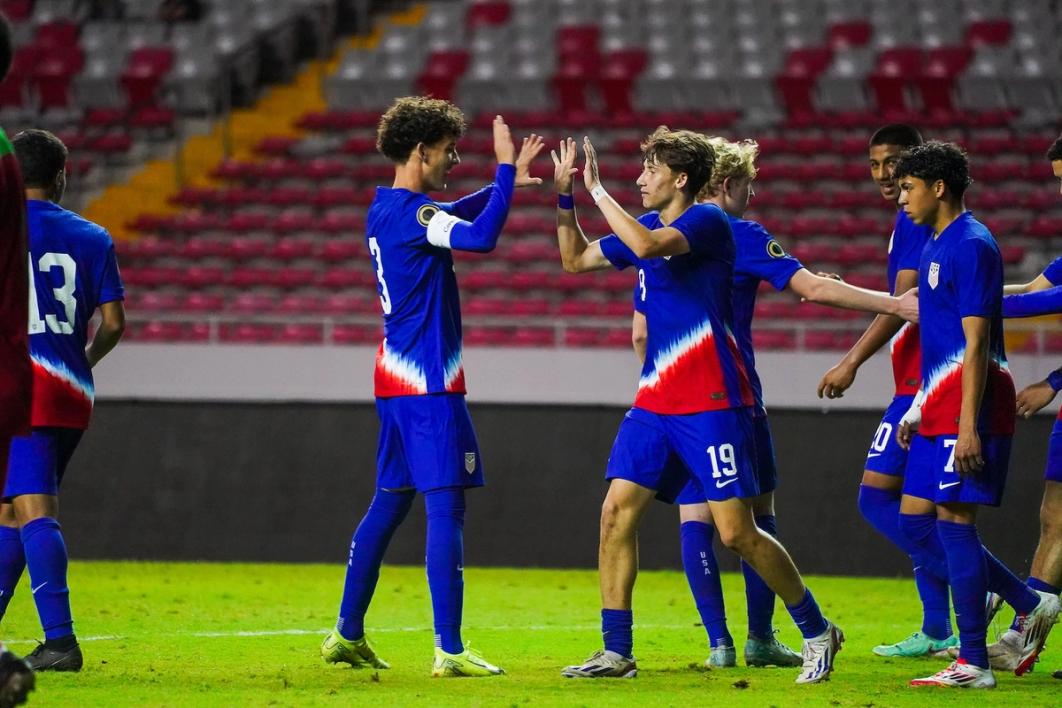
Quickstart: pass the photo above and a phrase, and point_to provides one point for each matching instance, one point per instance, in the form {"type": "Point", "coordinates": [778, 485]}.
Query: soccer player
{"type": "Point", "coordinates": [16, 374]}
{"type": "Point", "coordinates": [760, 258]}
{"type": "Point", "coordinates": [694, 402]}
{"type": "Point", "coordinates": [964, 411]}
{"type": "Point", "coordinates": [73, 273]}
{"type": "Point", "coordinates": [426, 443]}
{"type": "Point", "coordinates": [880, 489]}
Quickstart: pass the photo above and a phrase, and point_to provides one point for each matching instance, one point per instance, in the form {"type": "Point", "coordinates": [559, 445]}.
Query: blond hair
{"type": "Point", "coordinates": [736, 160]}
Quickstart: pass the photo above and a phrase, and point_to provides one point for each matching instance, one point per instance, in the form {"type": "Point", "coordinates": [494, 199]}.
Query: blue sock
{"type": "Point", "coordinates": [445, 562]}
{"type": "Point", "coordinates": [1007, 585]}
{"type": "Point", "coordinates": [758, 597]}
{"type": "Point", "coordinates": [12, 563]}
{"type": "Point", "coordinates": [808, 616]}
{"type": "Point", "coordinates": [921, 529]}
{"type": "Point", "coordinates": [385, 514]}
{"type": "Point", "coordinates": [881, 508]}
{"type": "Point", "coordinates": [1041, 586]}
{"type": "Point", "coordinates": [702, 572]}
{"type": "Point", "coordinates": [42, 541]}
{"type": "Point", "coordinates": [968, 570]}
{"type": "Point", "coordinates": [616, 630]}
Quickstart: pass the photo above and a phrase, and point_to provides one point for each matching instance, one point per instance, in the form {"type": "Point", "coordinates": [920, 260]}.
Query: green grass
{"type": "Point", "coordinates": [169, 634]}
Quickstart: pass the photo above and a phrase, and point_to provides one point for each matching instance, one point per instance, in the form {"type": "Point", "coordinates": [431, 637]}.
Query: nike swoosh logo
{"type": "Point", "coordinates": [949, 484]}
{"type": "Point", "coordinates": [720, 485]}
{"type": "Point", "coordinates": [873, 454]}
{"type": "Point", "coordinates": [34, 590]}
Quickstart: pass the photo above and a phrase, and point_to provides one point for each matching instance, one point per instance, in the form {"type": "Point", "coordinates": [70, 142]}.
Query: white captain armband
{"type": "Point", "coordinates": [440, 227]}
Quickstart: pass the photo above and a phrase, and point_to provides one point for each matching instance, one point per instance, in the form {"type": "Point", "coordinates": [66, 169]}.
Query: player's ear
{"type": "Point", "coordinates": [939, 188]}
{"type": "Point", "coordinates": [421, 151]}
{"type": "Point", "coordinates": [681, 180]}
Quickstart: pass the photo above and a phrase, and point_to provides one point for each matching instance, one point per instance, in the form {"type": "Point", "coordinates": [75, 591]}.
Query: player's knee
{"type": "Point", "coordinates": [615, 518]}
{"type": "Point", "coordinates": [738, 538]}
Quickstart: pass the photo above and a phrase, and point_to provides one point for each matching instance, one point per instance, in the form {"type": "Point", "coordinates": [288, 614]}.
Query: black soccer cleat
{"type": "Point", "coordinates": [44, 658]}
{"type": "Point", "coordinates": [16, 680]}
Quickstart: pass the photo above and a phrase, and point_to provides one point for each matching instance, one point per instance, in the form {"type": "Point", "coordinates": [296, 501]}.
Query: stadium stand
{"type": "Point", "coordinates": [270, 248]}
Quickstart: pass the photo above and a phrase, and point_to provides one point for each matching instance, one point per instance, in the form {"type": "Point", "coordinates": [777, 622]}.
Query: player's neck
{"type": "Point", "coordinates": [947, 213]}
{"type": "Point", "coordinates": [673, 209]}
{"type": "Point", "coordinates": [38, 194]}
{"type": "Point", "coordinates": [409, 176]}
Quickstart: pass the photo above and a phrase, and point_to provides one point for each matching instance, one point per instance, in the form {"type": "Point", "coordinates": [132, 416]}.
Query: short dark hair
{"type": "Point", "coordinates": [935, 160]}
{"type": "Point", "coordinates": [41, 156]}
{"type": "Point", "coordinates": [7, 46]}
{"type": "Point", "coordinates": [416, 119]}
{"type": "Point", "coordinates": [1055, 151]}
{"type": "Point", "coordinates": [906, 136]}
{"type": "Point", "coordinates": [682, 151]}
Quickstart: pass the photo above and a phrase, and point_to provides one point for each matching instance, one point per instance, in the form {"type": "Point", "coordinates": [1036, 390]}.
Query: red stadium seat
{"type": "Point", "coordinates": [988, 32]}
{"type": "Point", "coordinates": [483, 13]}
{"type": "Point", "coordinates": [532, 337]}
{"type": "Point", "coordinates": [769, 339]}
{"type": "Point", "coordinates": [300, 333]}
{"type": "Point", "coordinates": [853, 33]}
{"type": "Point", "coordinates": [356, 334]}
{"type": "Point", "coordinates": [895, 67]}
{"type": "Point", "coordinates": [247, 333]}
{"type": "Point", "coordinates": [441, 72]}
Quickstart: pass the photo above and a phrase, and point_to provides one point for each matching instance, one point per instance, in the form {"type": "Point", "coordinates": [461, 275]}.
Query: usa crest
{"type": "Point", "coordinates": [425, 213]}
{"type": "Point", "coordinates": [934, 275]}
{"type": "Point", "coordinates": [470, 462]}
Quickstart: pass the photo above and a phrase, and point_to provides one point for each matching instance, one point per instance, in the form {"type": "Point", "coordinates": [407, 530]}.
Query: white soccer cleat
{"type": "Point", "coordinates": [1005, 653]}
{"type": "Point", "coordinates": [959, 674]}
{"type": "Point", "coordinates": [1035, 627]}
{"type": "Point", "coordinates": [818, 654]}
{"type": "Point", "coordinates": [603, 664]}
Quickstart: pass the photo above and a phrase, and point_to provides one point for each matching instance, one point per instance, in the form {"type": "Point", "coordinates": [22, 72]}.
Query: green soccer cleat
{"type": "Point", "coordinates": [358, 652]}
{"type": "Point", "coordinates": [467, 663]}
{"type": "Point", "coordinates": [918, 644]}
{"type": "Point", "coordinates": [770, 652]}
{"type": "Point", "coordinates": [721, 657]}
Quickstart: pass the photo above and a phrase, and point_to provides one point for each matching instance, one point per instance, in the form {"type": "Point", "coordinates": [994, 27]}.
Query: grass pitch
{"type": "Point", "coordinates": [181, 634]}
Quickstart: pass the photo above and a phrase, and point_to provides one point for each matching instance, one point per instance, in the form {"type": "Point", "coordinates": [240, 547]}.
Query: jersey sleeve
{"type": "Point", "coordinates": [111, 287]}
{"type": "Point", "coordinates": [761, 256]}
{"type": "Point", "coordinates": [707, 229]}
{"type": "Point", "coordinates": [908, 241]}
{"type": "Point", "coordinates": [1040, 302]}
{"type": "Point", "coordinates": [1053, 271]}
{"type": "Point", "coordinates": [470, 206]}
{"type": "Point", "coordinates": [480, 235]}
{"type": "Point", "coordinates": [977, 271]}
{"type": "Point", "coordinates": [617, 252]}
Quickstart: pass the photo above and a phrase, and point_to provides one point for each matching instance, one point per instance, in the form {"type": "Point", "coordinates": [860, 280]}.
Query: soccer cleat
{"type": "Point", "coordinates": [356, 652]}
{"type": "Point", "coordinates": [603, 664]}
{"type": "Point", "coordinates": [818, 655]}
{"type": "Point", "coordinates": [1005, 654]}
{"type": "Point", "coordinates": [467, 663]}
{"type": "Point", "coordinates": [1035, 627]}
{"type": "Point", "coordinates": [769, 652]}
{"type": "Point", "coordinates": [918, 644]}
{"type": "Point", "coordinates": [16, 679]}
{"type": "Point", "coordinates": [993, 604]}
{"type": "Point", "coordinates": [721, 657]}
{"type": "Point", "coordinates": [959, 674]}
{"type": "Point", "coordinates": [44, 659]}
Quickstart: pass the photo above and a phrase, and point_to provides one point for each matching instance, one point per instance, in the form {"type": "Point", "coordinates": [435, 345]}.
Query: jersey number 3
{"type": "Point", "coordinates": [63, 295]}
{"type": "Point", "coordinates": [385, 297]}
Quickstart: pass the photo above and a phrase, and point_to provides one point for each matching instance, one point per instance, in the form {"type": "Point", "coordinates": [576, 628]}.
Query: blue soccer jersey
{"type": "Point", "coordinates": [961, 275]}
{"type": "Point", "coordinates": [73, 271]}
{"type": "Point", "coordinates": [905, 252]}
{"type": "Point", "coordinates": [1053, 271]}
{"type": "Point", "coordinates": [692, 363]}
{"type": "Point", "coordinates": [409, 239]}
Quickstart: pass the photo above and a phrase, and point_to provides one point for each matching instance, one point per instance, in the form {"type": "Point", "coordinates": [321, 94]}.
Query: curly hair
{"type": "Point", "coordinates": [901, 134]}
{"type": "Point", "coordinates": [1055, 151]}
{"type": "Point", "coordinates": [736, 160]}
{"type": "Point", "coordinates": [417, 119]}
{"type": "Point", "coordinates": [682, 151]}
{"type": "Point", "coordinates": [935, 160]}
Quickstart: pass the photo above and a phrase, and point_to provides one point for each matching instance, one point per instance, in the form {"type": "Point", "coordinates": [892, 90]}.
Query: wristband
{"type": "Point", "coordinates": [565, 201]}
{"type": "Point", "coordinates": [598, 193]}
{"type": "Point", "coordinates": [1054, 380]}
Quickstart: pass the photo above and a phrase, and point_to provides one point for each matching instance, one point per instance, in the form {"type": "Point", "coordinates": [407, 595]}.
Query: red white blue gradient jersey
{"type": "Point", "coordinates": [905, 253]}
{"type": "Point", "coordinates": [961, 275]}
{"type": "Point", "coordinates": [692, 363]}
{"type": "Point", "coordinates": [73, 270]}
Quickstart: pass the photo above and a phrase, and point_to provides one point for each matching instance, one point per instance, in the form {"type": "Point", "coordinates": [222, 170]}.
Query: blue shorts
{"type": "Point", "coordinates": [715, 450]}
{"type": "Point", "coordinates": [426, 442]}
{"type": "Point", "coordinates": [931, 474]}
{"type": "Point", "coordinates": [37, 462]}
{"type": "Point", "coordinates": [766, 467]}
{"type": "Point", "coordinates": [885, 455]}
{"type": "Point", "coordinates": [1053, 469]}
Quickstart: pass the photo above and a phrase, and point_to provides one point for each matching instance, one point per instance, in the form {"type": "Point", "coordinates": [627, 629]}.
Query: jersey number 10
{"type": "Point", "coordinates": [63, 295]}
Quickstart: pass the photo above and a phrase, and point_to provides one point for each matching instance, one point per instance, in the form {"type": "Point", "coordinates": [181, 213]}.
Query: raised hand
{"type": "Point", "coordinates": [591, 176]}
{"type": "Point", "coordinates": [503, 142]}
{"type": "Point", "coordinates": [564, 168]}
{"type": "Point", "coordinates": [529, 150]}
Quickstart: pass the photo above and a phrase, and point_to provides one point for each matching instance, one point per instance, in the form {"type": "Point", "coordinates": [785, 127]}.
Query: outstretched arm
{"type": "Point", "coordinates": [829, 291]}
{"type": "Point", "coordinates": [472, 205]}
{"type": "Point", "coordinates": [1033, 303]}
{"type": "Point", "coordinates": [578, 255]}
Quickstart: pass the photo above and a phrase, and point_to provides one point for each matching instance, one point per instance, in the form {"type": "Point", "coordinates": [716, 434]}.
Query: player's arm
{"type": "Point", "coordinates": [639, 335]}
{"type": "Point", "coordinates": [578, 254]}
{"type": "Point", "coordinates": [1033, 302]}
{"type": "Point", "coordinates": [968, 458]}
{"type": "Point", "coordinates": [1038, 283]}
{"type": "Point", "coordinates": [836, 293]}
{"type": "Point", "coordinates": [472, 205]}
{"type": "Point", "coordinates": [884, 327]}
{"type": "Point", "coordinates": [1035, 396]}
{"type": "Point", "coordinates": [643, 242]}
{"type": "Point", "coordinates": [112, 326]}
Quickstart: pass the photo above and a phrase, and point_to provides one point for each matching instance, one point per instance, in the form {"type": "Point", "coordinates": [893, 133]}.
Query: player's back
{"type": "Point", "coordinates": [73, 271]}
{"type": "Point", "coordinates": [421, 351]}
{"type": "Point", "coordinates": [15, 373]}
